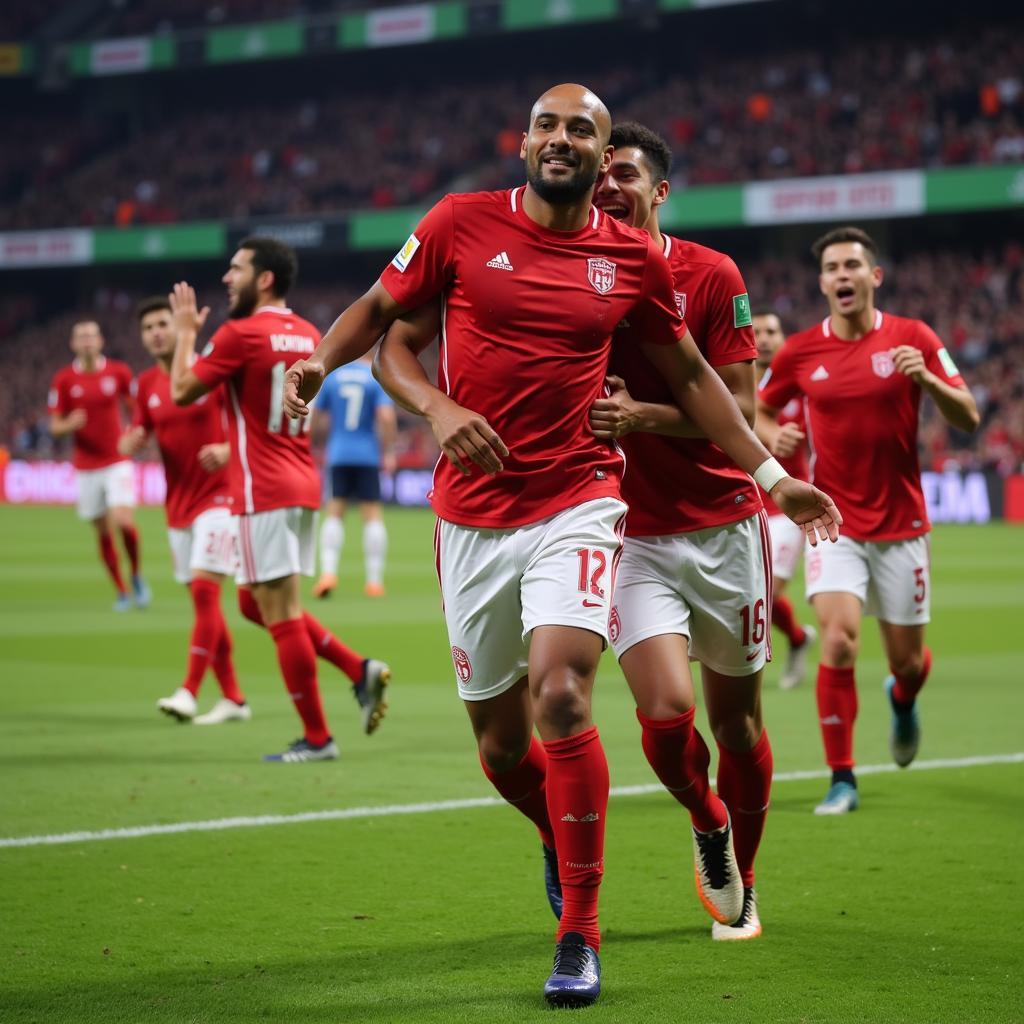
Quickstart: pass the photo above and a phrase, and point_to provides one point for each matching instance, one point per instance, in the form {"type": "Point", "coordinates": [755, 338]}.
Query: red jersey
{"type": "Point", "coordinates": [796, 464]}
{"type": "Point", "coordinates": [862, 420]}
{"type": "Point", "coordinates": [527, 319]}
{"type": "Point", "coordinates": [100, 394]}
{"type": "Point", "coordinates": [180, 432]}
{"type": "Point", "coordinates": [271, 465]}
{"type": "Point", "coordinates": [680, 484]}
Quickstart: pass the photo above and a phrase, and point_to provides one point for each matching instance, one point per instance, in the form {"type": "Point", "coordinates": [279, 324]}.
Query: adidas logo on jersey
{"type": "Point", "coordinates": [500, 262]}
{"type": "Point", "coordinates": [820, 373]}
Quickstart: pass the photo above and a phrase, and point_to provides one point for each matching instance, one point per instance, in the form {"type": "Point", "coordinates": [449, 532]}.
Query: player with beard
{"type": "Point", "coordinates": [204, 548]}
{"type": "Point", "coordinates": [532, 282]}
{"type": "Point", "coordinates": [789, 446]}
{"type": "Point", "coordinates": [275, 486]}
{"type": "Point", "coordinates": [861, 375]}
{"type": "Point", "coordinates": [695, 576]}
{"type": "Point", "coordinates": [85, 401]}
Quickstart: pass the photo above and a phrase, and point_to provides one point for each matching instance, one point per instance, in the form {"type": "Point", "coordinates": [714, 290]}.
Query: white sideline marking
{"type": "Point", "coordinates": [344, 814]}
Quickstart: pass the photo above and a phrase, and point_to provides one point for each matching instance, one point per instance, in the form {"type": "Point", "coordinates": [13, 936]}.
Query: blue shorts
{"type": "Point", "coordinates": [355, 483]}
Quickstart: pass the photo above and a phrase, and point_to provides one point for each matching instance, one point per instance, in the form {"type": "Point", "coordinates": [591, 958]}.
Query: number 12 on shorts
{"type": "Point", "coordinates": [592, 566]}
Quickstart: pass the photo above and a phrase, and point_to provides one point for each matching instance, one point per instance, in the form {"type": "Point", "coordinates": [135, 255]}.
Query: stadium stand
{"type": "Point", "coordinates": [787, 113]}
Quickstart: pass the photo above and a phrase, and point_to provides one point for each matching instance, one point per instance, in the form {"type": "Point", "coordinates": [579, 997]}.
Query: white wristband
{"type": "Point", "coordinates": [768, 474]}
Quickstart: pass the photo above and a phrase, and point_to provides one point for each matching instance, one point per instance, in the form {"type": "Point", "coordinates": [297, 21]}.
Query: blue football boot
{"type": "Point", "coordinates": [905, 735]}
{"type": "Point", "coordinates": [575, 979]}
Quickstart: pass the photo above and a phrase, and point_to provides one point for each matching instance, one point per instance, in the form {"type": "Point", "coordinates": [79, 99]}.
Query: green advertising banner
{"type": "Point", "coordinates": [974, 188]}
{"type": "Point", "coordinates": [520, 14]}
{"type": "Point", "coordinates": [199, 240]}
{"type": "Point", "coordinates": [261, 41]}
{"type": "Point", "coordinates": [384, 229]}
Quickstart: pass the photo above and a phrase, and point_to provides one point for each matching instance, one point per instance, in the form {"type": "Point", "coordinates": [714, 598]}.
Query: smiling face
{"type": "Point", "coordinates": [157, 330]}
{"type": "Point", "coordinates": [567, 144]}
{"type": "Point", "coordinates": [848, 278]}
{"type": "Point", "coordinates": [629, 190]}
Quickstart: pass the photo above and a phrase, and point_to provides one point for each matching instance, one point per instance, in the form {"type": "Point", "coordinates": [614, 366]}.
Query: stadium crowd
{"type": "Point", "coordinates": [948, 101]}
{"type": "Point", "coordinates": [975, 303]}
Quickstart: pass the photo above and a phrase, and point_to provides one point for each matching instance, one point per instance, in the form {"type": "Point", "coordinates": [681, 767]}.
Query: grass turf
{"type": "Point", "coordinates": [904, 911]}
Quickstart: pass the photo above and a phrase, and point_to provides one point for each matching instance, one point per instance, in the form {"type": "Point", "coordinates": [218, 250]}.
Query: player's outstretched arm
{"type": "Point", "coordinates": [189, 319]}
{"type": "Point", "coordinates": [464, 436]}
{"type": "Point", "coordinates": [956, 404]}
{"type": "Point", "coordinates": [703, 396]}
{"type": "Point", "coordinates": [352, 335]}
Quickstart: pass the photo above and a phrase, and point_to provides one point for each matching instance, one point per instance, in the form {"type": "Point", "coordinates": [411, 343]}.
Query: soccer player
{"type": "Point", "coordinates": [533, 281]}
{"type": "Point", "coordinates": [790, 447]}
{"type": "Point", "coordinates": [275, 485]}
{"type": "Point", "coordinates": [204, 547]}
{"type": "Point", "coordinates": [694, 579]}
{"type": "Point", "coordinates": [362, 426]}
{"type": "Point", "coordinates": [85, 401]}
{"type": "Point", "coordinates": [861, 374]}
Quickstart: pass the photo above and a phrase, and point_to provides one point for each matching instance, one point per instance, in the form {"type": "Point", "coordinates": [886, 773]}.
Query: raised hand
{"type": "Point", "coordinates": [184, 309]}
{"type": "Point", "coordinates": [788, 441]}
{"type": "Point", "coordinates": [910, 362]}
{"type": "Point", "coordinates": [213, 457]}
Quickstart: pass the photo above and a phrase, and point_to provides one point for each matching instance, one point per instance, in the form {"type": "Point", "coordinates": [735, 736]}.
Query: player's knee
{"type": "Point", "coordinates": [908, 666]}
{"type": "Point", "coordinates": [739, 732]}
{"type": "Point", "coordinates": [562, 704]}
{"type": "Point", "coordinates": [501, 753]}
{"type": "Point", "coordinates": [839, 645]}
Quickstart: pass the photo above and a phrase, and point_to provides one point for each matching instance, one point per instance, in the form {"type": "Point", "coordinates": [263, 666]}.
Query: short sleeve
{"type": "Point", "coordinates": [57, 398]}
{"type": "Point", "coordinates": [423, 266]}
{"type": "Point", "coordinates": [779, 383]}
{"type": "Point", "coordinates": [937, 357]}
{"type": "Point", "coordinates": [222, 357]}
{"type": "Point", "coordinates": [655, 319]}
{"type": "Point", "coordinates": [729, 337]}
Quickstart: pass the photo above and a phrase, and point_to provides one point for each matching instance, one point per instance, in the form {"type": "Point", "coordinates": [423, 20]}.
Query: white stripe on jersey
{"type": "Point", "coordinates": [243, 456]}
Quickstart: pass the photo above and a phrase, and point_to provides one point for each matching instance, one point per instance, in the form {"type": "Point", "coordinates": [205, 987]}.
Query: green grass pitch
{"type": "Point", "coordinates": [907, 911]}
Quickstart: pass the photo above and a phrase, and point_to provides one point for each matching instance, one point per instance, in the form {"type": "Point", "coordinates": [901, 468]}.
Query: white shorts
{"type": "Point", "coordinates": [498, 585]}
{"type": "Point", "coordinates": [787, 545]}
{"type": "Point", "coordinates": [102, 489]}
{"type": "Point", "coordinates": [891, 578]}
{"type": "Point", "coordinates": [713, 586]}
{"type": "Point", "coordinates": [210, 544]}
{"type": "Point", "coordinates": [275, 544]}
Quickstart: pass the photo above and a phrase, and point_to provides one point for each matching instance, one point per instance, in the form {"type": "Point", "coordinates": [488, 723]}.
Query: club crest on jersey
{"type": "Point", "coordinates": [463, 669]}
{"type": "Point", "coordinates": [681, 302]}
{"type": "Point", "coordinates": [882, 364]}
{"type": "Point", "coordinates": [108, 385]}
{"type": "Point", "coordinates": [614, 624]}
{"type": "Point", "coordinates": [601, 274]}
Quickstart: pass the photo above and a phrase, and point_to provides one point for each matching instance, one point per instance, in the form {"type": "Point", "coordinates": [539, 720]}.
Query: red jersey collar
{"type": "Point", "coordinates": [101, 364]}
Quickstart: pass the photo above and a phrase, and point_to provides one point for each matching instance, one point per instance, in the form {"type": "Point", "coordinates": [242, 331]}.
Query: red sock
{"type": "Point", "coordinates": [906, 689]}
{"type": "Point", "coordinates": [837, 711]}
{"type": "Point", "coordinates": [577, 789]}
{"type": "Point", "coordinates": [248, 607]}
{"type": "Point", "coordinates": [130, 536]}
{"type": "Point", "coordinates": [109, 555]}
{"type": "Point", "coordinates": [784, 620]}
{"type": "Point", "coordinates": [745, 784]}
{"type": "Point", "coordinates": [223, 665]}
{"type": "Point", "coordinates": [206, 629]}
{"type": "Point", "coordinates": [680, 758]}
{"type": "Point", "coordinates": [328, 646]}
{"type": "Point", "coordinates": [523, 787]}
{"type": "Point", "coordinates": [297, 659]}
